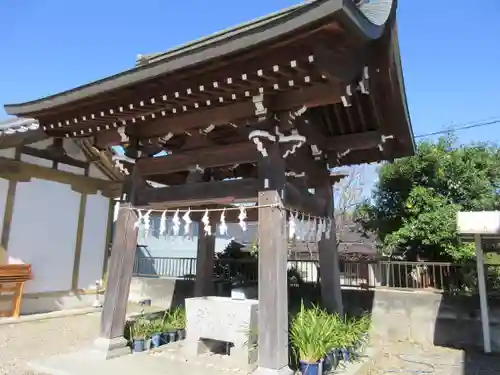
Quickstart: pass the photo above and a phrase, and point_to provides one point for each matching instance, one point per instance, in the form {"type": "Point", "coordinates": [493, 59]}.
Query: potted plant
{"type": "Point", "coordinates": [138, 334]}
{"type": "Point", "coordinates": [168, 329]}
{"type": "Point", "coordinates": [156, 330]}
{"type": "Point", "coordinates": [333, 355]}
{"type": "Point", "coordinates": [311, 335]}
{"type": "Point", "coordinates": [363, 327]}
{"type": "Point", "coordinates": [179, 322]}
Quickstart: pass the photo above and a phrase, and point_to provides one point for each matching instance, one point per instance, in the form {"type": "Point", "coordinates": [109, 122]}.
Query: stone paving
{"type": "Point", "coordinates": [406, 358]}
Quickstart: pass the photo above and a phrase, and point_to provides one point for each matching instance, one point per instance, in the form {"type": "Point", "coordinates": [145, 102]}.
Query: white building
{"type": "Point", "coordinates": [55, 214]}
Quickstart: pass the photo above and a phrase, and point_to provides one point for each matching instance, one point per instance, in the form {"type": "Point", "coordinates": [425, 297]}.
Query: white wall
{"type": "Point", "coordinates": [93, 241]}
{"type": "Point", "coordinates": [44, 229]}
{"type": "Point", "coordinates": [43, 233]}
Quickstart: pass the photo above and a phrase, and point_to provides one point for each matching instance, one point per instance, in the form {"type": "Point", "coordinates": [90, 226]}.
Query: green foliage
{"type": "Point", "coordinates": [245, 266]}
{"type": "Point", "coordinates": [417, 198]}
{"type": "Point", "coordinates": [140, 329]}
{"type": "Point", "coordinates": [314, 332]}
{"type": "Point", "coordinates": [175, 318]}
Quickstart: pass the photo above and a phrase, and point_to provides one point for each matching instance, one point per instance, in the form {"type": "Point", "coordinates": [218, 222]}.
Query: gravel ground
{"type": "Point", "coordinates": [27, 341]}
{"type": "Point", "coordinates": [404, 358]}
{"type": "Point", "coordinates": [23, 342]}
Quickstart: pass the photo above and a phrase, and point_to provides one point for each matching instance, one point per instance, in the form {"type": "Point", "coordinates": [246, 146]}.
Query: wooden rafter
{"type": "Point", "coordinates": [311, 97]}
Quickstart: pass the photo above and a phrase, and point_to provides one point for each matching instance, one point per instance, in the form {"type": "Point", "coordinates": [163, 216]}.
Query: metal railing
{"type": "Point", "coordinates": [165, 267]}
{"type": "Point", "coordinates": [437, 276]}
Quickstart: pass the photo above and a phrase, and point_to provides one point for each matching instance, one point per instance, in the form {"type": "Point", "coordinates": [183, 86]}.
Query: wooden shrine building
{"type": "Point", "coordinates": [258, 112]}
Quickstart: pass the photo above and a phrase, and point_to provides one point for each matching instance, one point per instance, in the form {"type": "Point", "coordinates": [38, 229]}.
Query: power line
{"type": "Point", "coordinates": [469, 125]}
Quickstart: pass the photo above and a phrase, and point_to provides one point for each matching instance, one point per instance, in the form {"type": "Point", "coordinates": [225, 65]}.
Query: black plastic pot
{"type": "Point", "coordinates": [346, 354]}
{"type": "Point", "coordinates": [331, 361]}
{"type": "Point", "coordinates": [172, 335]}
{"type": "Point", "coordinates": [181, 333]}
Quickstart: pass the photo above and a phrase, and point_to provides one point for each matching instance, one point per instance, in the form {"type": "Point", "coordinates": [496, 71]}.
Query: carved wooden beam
{"type": "Point", "coordinates": [232, 154]}
{"type": "Point", "coordinates": [308, 125]}
{"type": "Point", "coordinates": [202, 193]}
{"type": "Point", "coordinates": [314, 96]}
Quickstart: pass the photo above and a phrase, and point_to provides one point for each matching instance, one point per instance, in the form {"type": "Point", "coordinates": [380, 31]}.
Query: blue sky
{"type": "Point", "coordinates": [449, 48]}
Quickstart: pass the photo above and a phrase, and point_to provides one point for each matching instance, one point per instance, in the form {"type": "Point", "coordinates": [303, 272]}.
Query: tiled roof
{"type": "Point", "coordinates": [18, 125]}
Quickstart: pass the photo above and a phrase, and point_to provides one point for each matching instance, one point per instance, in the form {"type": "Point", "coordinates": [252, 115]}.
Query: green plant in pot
{"type": "Point", "coordinates": [139, 331]}
{"type": "Point", "coordinates": [155, 332]}
{"type": "Point", "coordinates": [169, 332]}
{"type": "Point", "coordinates": [348, 336]}
{"type": "Point", "coordinates": [311, 335]}
{"type": "Point", "coordinates": [178, 321]}
{"type": "Point", "coordinates": [333, 354]}
{"type": "Point", "coordinates": [361, 327]}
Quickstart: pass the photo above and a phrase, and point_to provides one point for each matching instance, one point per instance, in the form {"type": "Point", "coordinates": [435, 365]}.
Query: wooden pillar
{"type": "Point", "coordinates": [111, 342]}
{"type": "Point", "coordinates": [273, 289]}
{"type": "Point", "coordinates": [204, 284]}
{"type": "Point", "coordinates": [331, 292]}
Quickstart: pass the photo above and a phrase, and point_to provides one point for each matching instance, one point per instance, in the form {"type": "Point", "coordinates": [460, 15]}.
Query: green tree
{"type": "Point", "coordinates": [416, 199]}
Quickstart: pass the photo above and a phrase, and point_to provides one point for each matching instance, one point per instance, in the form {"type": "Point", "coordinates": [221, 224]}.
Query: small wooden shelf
{"type": "Point", "coordinates": [12, 279]}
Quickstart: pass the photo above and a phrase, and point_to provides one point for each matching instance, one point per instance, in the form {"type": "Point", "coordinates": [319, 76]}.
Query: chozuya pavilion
{"type": "Point", "coordinates": [258, 112]}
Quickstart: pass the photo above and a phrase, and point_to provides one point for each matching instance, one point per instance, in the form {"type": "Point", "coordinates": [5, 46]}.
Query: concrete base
{"type": "Point", "coordinates": [225, 320]}
{"type": "Point", "coordinates": [267, 371]}
{"type": "Point", "coordinates": [111, 348]}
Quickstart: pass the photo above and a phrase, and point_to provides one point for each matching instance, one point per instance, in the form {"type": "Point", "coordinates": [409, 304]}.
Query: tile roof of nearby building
{"type": "Point", "coordinates": [18, 125]}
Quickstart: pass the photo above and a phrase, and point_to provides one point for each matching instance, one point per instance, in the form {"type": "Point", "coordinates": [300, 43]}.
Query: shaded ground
{"type": "Point", "coordinates": [407, 358]}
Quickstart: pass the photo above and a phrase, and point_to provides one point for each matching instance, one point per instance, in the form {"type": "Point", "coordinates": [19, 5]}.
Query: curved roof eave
{"type": "Point", "coordinates": [225, 43]}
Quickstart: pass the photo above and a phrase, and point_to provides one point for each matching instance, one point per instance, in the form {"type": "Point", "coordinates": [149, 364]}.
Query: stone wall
{"type": "Point", "coordinates": [161, 292]}
{"type": "Point", "coordinates": [420, 316]}
{"type": "Point", "coordinates": [425, 317]}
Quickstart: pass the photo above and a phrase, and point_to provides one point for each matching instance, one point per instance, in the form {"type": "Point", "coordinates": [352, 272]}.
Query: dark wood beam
{"type": "Point", "coordinates": [303, 201]}
{"type": "Point", "coordinates": [308, 126]}
{"type": "Point", "coordinates": [314, 96]}
{"type": "Point", "coordinates": [46, 154]}
{"type": "Point", "coordinates": [339, 64]}
{"type": "Point", "coordinates": [202, 193]}
{"type": "Point", "coordinates": [240, 153]}
{"type": "Point", "coordinates": [356, 141]}
{"type": "Point", "coordinates": [303, 161]}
